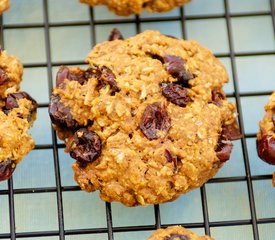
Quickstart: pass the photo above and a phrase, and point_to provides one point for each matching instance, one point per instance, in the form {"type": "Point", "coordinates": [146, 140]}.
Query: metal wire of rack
{"type": "Point", "coordinates": [61, 233]}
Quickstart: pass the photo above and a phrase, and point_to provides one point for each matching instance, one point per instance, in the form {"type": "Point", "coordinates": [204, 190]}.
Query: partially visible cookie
{"type": "Point", "coordinates": [176, 233]}
{"type": "Point", "coordinates": [125, 8]}
{"type": "Point", "coordinates": [266, 136]}
{"type": "Point", "coordinates": [4, 5]}
{"type": "Point", "coordinates": [11, 71]}
{"type": "Point", "coordinates": [17, 114]}
{"type": "Point", "coordinates": [147, 121]}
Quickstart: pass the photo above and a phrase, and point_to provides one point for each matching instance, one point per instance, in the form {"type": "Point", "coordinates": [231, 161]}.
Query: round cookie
{"type": "Point", "coordinates": [147, 121]}
{"type": "Point", "coordinates": [176, 233]}
{"type": "Point", "coordinates": [17, 114]}
{"type": "Point", "coordinates": [4, 5]}
{"type": "Point", "coordinates": [125, 8]}
{"type": "Point", "coordinates": [266, 136]}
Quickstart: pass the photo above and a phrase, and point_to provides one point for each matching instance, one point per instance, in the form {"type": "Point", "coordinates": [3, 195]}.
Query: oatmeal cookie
{"type": "Point", "coordinates": [11, 71]}
{"type": "Point", "coordinates": [4, 5]}
{"type": "Point", "coordinates": [176, 233]}
{"type": "Point", "coordinates": [17, 114]}
{"type": "Point", "coordinates": [266, 136]}
{"type": "Point", "coordinates": [147, 121]}
{"type": "Point", "coordinates": [125, 8]}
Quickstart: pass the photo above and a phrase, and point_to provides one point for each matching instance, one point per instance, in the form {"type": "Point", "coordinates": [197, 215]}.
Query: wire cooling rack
{"type": "Point", "coordinates": [41, 200]}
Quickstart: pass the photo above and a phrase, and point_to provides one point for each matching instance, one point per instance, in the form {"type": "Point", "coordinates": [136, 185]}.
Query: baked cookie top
{"type": "Point", "coordinates": [125, 8]}
{"type": "Point", "coordinates": [176, 233]}
{"type": "Point", "coordinates": [17, 114]}
{"type": "Point", "coordinates": [4, 5]}
{"type": "Point", "coordinates": [266, 135]}
{"type": "Point", "coordinates": [147, 121]}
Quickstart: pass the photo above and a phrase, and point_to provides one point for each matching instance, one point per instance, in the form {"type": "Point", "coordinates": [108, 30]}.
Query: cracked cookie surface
{"type": "Point", "coordinates": [266, 136]}
{"type": "Point", "coordinates": [176, 233]}
{"type": "Point", "coordinates": [125, 8]}
{"type": "Point", "coordinates": [17, 114]}
{"type": "Point", "coordinates": [147, 121]}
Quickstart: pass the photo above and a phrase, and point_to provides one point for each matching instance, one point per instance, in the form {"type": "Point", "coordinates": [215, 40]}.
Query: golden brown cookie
{"type": "Point", "coordinates": [17, 114]}
{"type": "Point", "coordinates": [147, 121]}
{"type": "Point", "coordinates": [125, 8]}
{"type": "Point", "coordinates": [4, 5]}
{"type": "Point", "coordinates": [176, 233]}
{"type": "Point", "coordinates": [266, 136]}
{"type": "Point", "coordinates": [11, 71]}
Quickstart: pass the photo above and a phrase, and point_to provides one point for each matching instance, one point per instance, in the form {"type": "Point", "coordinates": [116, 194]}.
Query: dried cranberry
{"type": "Point", "coordinates": [3, 76]}
{"type": "Point", "coordinates": [86, 146]}
{"type": "Point", "coordinates": [231, 131]}
{"type": "Point", "coordinates": [217, 97]}
{"type": "Point", "coordinates": [60, 114]}
{"type": "Point", "coordinates": [175, 94]}
{"type": "Point", "coordinates": [62, 74]}
{"type": "Point", "coordinates": [92, 72]}
{"type": "Point", "coordinates": [104, 75]}
{"type": "Point", "coordinates": [115, 35]}
{"type": "Point", "coordinates": [108, 76]}
{"type": "Point", "coordinates": [177, 237]}
{"type": "Point", "coordinates": [154, 119]}
{"type": "Point", "coordinates": [11, 100]}
{"type": "Point", "coordinates": [266, 148]}
{"type": "Point", "coordinates": [11, 103]}
{"type": "Point", "coordinates": [224, 150]}
{"type": "Point", "coordinates": [170, 158]}
{"type": "Point", "coordinates": [6, 169]}
{"type": "Point", "coordinates": [65, 73]}
{"type": "Point", "coordinates": [79, 76]}
{"type": "Point", "coordinates": [175, 66]}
